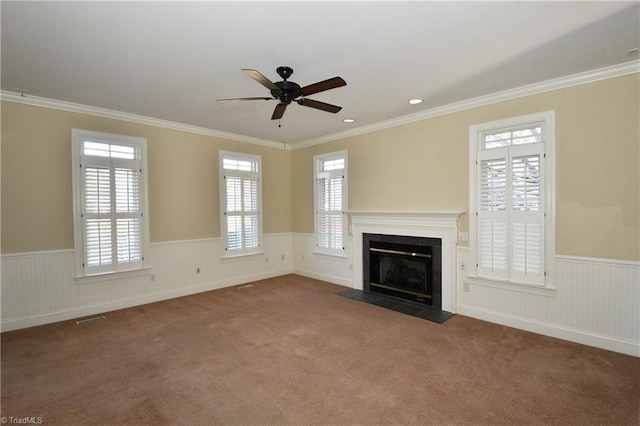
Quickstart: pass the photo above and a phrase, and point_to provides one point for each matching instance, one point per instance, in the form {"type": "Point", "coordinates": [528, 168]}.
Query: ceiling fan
{"type": "Point", "coordinates": [288, 91]}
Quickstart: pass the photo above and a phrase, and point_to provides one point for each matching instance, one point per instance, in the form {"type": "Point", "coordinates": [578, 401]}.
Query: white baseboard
{"type": "Point", "coordinates": [577, 336]}
{"type": "Point", "coordinates": [324, 277]}
{"type": "Point", "coordinates": [36, 320]}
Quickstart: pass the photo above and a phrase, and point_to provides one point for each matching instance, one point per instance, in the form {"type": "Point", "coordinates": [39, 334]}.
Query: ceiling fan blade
{"type": "Point", "coordinates": [279, 111]}
{"type": "Point", "coordinates": [319, 105]}
{"type": "Point", "coordinates": [260, 79]}
{"type": "Point", "coordinates": [321, 86]}
{"type": "Point", "coordinates": [245, 99]}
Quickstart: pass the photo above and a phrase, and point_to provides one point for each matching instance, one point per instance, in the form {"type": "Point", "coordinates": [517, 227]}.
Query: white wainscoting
{"type": "Point", "coordinates": [596, 302]}
{"type": "Point", "coordinates": [306, 262]}
{"type": "Point", "coordinates": [39, 288]}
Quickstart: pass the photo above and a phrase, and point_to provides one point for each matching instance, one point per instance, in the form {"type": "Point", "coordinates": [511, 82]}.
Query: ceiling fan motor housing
{"type": "Point", "coordinates": [288, 91]}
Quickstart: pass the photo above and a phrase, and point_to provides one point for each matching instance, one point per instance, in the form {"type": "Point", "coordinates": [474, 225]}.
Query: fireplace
{"type": "Point", "coordinates": [435, 225]}
{"type": "Point", "coordinates": [403, 266]}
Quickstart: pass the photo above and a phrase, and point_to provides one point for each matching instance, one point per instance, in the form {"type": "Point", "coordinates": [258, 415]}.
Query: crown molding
{"type": "Point", "coordinates": [507, 95]}
{"type": "Point", "coordinates": [132, 118]}
{"type": "Point", "coordinates": [519, 92]}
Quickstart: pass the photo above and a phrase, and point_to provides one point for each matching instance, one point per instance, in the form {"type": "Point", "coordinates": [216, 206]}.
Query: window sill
{"type": "Point", "coordinates": [547, 291]}
{"type": "Point", "coordinates": [242, 257]}
{"type": "Point", "coordinates": [334, 256]}
{"type": "Point", "coordinates": [112, 276]}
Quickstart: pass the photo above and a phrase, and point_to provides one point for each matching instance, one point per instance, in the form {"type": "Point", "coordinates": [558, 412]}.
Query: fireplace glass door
{"type": "Point", "coordinates": [401, 270]}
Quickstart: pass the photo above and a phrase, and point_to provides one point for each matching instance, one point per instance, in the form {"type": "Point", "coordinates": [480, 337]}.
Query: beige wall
{"type": "Point", "coordinates": [183, 179]}
{"type": "Point", "coordinates": [419, 166]}
{"type": "Point", "coordinates": [424, 166]}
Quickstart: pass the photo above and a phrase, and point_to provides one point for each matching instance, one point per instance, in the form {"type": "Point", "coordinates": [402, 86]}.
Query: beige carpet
{"type": "Point", "coordinates": [290, 351]}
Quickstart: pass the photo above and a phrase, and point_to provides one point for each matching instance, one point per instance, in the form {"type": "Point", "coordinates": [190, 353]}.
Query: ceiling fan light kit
{"type": "Point", "coordinates": [288, 91]}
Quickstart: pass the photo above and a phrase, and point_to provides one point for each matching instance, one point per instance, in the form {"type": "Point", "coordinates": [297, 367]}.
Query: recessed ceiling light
{"type": "Point", "coordinates": [349, 120]}
{"type": "Point", "coordinates": [415, 101]}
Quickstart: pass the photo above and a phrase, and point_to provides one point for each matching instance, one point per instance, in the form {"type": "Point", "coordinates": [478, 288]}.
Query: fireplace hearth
{"type": "Point", "coordinates": [403, 266]}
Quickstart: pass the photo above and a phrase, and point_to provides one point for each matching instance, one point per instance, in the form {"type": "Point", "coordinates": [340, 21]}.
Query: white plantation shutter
{"type": "Point", "coordinates": [97, 189]}
{"type": "Point", "coordinates": [234, 233]}
{"type": "Point", "coordinates": [527, 215]}
{"type": "Point", "coordinates": [240, 193]}
{"type": "Point", "coordinates": [493, 215]}
{"type": "Point", "coordinates": [110, 202]}
{"type": "Point", "coordinates": [97, 217]}
{"type": "Point", "coordinates": [492, 253]}
{"type": "Point", "coordinates": [510, 205]}
{"type": "Point", "coordinates": [330, 203]}
{"type": "Point", "coordinates": [128, 240]}
{"type": "Point", "coordinates": [127, 189]}
{"type": "Point", "coordinates": [128, 214]}
{"type": "Point", "coordinates": [99, 249]}
{"type": "Point", "coordinates": [329, 210]}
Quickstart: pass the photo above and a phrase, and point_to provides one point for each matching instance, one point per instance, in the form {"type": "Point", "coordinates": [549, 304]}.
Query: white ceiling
{"type": "Point", "coordinates": [172, 60]}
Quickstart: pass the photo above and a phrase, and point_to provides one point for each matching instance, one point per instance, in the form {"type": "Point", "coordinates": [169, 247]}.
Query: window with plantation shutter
{"type": "Point", "coordinates": [110, 220]}
{"type": "Point", "coordinates": [330, 202]}
{"type": "Point", "coordinates": [511, 199]}
{"type": "Point", "coordinates": [240, 195]}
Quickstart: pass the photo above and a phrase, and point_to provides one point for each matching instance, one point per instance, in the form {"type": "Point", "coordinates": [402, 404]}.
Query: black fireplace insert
{"type": "Point", "coordinates": [404, 266]}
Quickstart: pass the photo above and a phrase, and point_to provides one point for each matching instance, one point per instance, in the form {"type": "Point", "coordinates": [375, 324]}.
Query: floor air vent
{"type": "Point", "coordinates": [245, 286]}
{"type": "Point", "coordinates": [89, 320]}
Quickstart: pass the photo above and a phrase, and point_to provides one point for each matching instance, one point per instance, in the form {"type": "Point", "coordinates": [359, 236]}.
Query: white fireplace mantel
{"type": "Point", "coordinates": [443, 225]}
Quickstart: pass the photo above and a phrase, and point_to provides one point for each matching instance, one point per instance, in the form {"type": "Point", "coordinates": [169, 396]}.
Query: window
{"type": "Point", "coordinates": [511, 198]}
{"type": "Point", "coordinates": [240, 201]}
{"type": "Point", "coordinates": [110, 220]}
{"type": "Point", "coordinates": [330, 195]}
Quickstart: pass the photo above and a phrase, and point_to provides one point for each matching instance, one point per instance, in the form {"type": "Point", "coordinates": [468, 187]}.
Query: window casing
{"type": "Point", "coordinates": [110, 216]}
{"type": "Point", "coordinates": [241, 203]}
{"type": "Point", "coordinates": [330, 202]}
{"type": "Point", "coordinates": [511, 199]}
